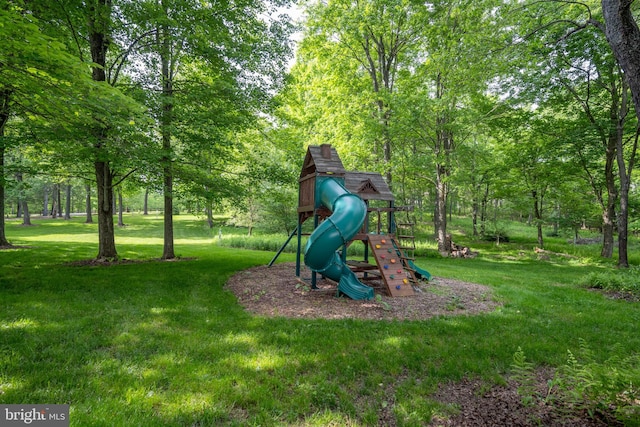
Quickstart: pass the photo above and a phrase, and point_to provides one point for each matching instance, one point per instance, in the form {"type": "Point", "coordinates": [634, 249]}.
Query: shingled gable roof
{"type": "Point", "coordinates": [368, 185]}
{"type": "Point", "coordinates": [322, 159]}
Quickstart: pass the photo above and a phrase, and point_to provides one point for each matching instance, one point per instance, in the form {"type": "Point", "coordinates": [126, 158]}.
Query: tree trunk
{"type": "Point", "coordinates": [624, 175]}
{"type": "Point", "coordinates": [623, 36]}
{"type": "Point", "coordinates": [609, 208]}
{"type": "Point", "coordinates": [623, 223]}
{"type": "Point", "coordinates": [120, 208]}
{"type": "Point", "coordinates": [88, 207]}
{"type": "Point", "coordinates": [67, 202]}
{"type": "Point", "coordinates": [443, 149]}
{"type": "Point", "coordinates": [537, 213]}
{"type": "Point", "coordinates": [483, 210]}
{"type": "Point", "coordinates": [106, 231]}
{"type": "Point", "coordinates": [18, 177]}
{"type": "Point", "coordinates": [54, 202]}
{"type": "Point", "coordinates": [99, 19]}
{"type": "Point", "coordinates": [440, 219]}
{"type": "Point", "coordinates": [166, 122]}
{"type": "Point", "coordinates": [45, 201]}
{"type": "Point", "coordinates": [4, 118]}
{"type": "Point", "coordinates": [475, 208]}
{"type": "Point", "coordinates": [209, 210]}
{"type": "Point", "coordinates": [624, 172]}
{"type": "Point", "coordinates": [145, 210]}
{"type": "Point", "coordinates": [59, 196]}
{"type": "Point", "coordinates": [26, 216]}
{"type": "Point", "coordinates": [168, 249]}
{"type": "Point", "coordinates": [608, 216]}
{"type": "Point", "coordinates": [23, 205]}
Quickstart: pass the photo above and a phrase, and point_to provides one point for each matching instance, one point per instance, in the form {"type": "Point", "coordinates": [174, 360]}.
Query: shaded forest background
{"type": "Point", "coordinates": [487, 109]}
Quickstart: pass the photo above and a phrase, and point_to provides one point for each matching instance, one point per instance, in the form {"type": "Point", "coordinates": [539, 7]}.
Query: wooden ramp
{"type": "Point", "coordinates": [396, 278]}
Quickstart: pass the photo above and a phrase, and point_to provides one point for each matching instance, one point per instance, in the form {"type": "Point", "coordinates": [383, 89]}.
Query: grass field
{"type": "Point", "coordinates": [163, 344]}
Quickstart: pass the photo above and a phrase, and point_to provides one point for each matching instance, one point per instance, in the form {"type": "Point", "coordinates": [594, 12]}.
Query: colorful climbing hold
{"type": "Point", "coordinates": [392, 277]}
{"type": "Point", "coordinates": [383, 241]}
{"type": "Point", "coordinates": [398, 287]}
{"type": "Point", "coordinates": [393, 260]}
{"type": "Point", "coordinates": [405, 281]}
{"type": "Point", "coordinates": [377, 246]}
{"type": "Point", "coordinates": [399, 271]}
{"type": "Point", "coordinates": [386, 267]}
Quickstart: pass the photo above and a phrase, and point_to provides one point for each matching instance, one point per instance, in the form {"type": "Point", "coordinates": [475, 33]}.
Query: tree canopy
{"type": "Point", "coordinates": [528, 106]}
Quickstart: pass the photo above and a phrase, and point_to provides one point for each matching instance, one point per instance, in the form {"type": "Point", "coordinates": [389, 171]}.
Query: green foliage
{"type": "Point", "coordinates": [522, 373]}
{"type": "Point", "coordinates": [269, 243]}
{"type": "Point", "coordinates": [264, 240]}
{"type": "Point", "coordinates": [385, 305]}
{"type": "Point", "coordinates": [624, 280]}
{"type": "Point", "coordinates": [497, 235]}
{"type": "Point", "coordinates": [607, 390]}
{"type": "Point", "coordinates": [278, 209]}
{"type": "Point", "coordinates": [634, 226]}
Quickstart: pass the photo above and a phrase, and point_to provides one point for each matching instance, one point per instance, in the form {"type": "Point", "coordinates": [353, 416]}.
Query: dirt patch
{"type": "Point", "coordinates": [13, 247]}
{"type": "Point", "coordinates": [622, 295]}
{"type": "Point", "coordinates": [473, 404]}
{"type": "Point", "coordinates": [276, 291]}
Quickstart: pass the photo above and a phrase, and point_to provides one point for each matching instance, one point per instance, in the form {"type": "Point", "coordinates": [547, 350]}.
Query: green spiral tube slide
{"type": "Point", "coordinates": [321, 252]}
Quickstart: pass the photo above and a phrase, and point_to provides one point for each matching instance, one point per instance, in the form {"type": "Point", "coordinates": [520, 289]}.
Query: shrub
{"type": "Point", "coordinates": [495, 236]}
{"type": "Point", "coordinates": [607, 390]}
{"type": "Point", "coordinates": [627, 280]}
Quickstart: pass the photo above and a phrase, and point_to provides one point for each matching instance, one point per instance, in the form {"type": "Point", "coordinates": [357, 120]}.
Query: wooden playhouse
{"type": "Point", "coordinates": [389, 245]}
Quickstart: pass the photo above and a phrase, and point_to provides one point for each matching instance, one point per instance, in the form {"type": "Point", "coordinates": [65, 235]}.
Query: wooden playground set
{"type": "Point", "coordinates": [348, 207]}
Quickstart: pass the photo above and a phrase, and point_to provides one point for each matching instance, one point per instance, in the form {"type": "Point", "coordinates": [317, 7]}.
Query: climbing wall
{"type": "Point", "coordinates": [396, 278]}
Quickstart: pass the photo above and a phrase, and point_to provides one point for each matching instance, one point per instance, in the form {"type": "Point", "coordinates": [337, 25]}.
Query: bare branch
{"type": "Point", "coordinates": [74, 33]}
{"type": "Point", "coordinates": [127, 175]}
{"type": "Point", "coordinates": [121, 59]}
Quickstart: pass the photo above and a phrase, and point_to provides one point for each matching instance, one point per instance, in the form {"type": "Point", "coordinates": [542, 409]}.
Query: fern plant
{"type": "Point", "coordinates": [607, 390]}
{"type": "Point", "coordinates": [627, 280]}
{"type": "Point", "coordinates": [524, 375]}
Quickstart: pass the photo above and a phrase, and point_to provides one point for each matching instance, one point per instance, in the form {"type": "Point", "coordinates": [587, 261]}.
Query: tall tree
{"type": "Point", "coordinates": [450, 70]}
{"type": "Point", "coordinates": [535, 164]}
{"type": "Point", "coordinates": [109, 120]}
{"type": "Point", "coordinates": [563, 38]}
{"type": "Point", "coordinates": [376, 34]}
{"type": "Point", "coordinates": [242, 49]}
{"type": "Point", "coordinates": [599, 89]}
{"type": "Point", "coordinates": [99, 32]}
{"type": "Point", "coordinates": [5, 114]}
{"type": "Point", "coordinates": [623, 36]}
{"type": "Point", "coordinates": [40, 82]}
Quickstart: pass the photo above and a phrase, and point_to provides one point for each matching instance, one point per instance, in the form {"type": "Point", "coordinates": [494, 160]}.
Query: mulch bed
{"type": "Point", "coordinates": [276, 291]}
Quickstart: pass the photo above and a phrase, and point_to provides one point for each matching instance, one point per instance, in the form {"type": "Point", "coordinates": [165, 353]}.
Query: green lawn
{"type": "Point", "coordinates": [161, 343]}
